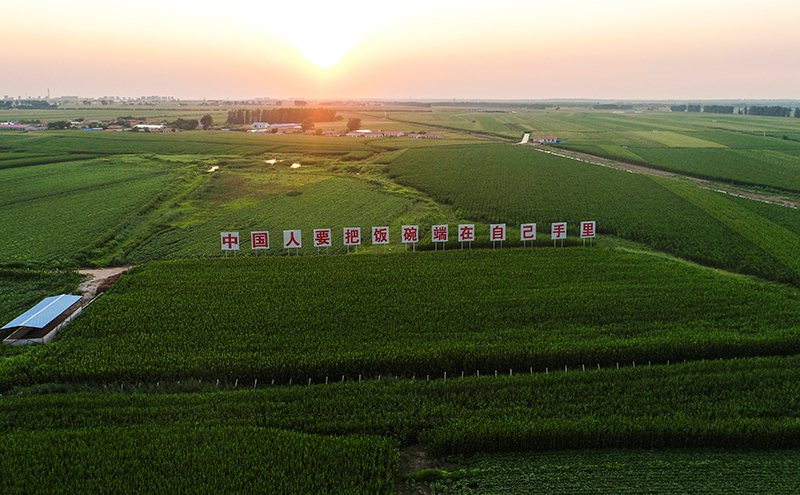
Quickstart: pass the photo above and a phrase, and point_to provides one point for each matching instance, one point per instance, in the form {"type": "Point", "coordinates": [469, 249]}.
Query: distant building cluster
{"type": "Point", "coordinates": [109, 125]}
{"type": "Point", "coordinates": [264, 127]}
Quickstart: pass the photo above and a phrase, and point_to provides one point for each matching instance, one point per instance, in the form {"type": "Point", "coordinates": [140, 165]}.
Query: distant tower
{"type": "Point", "coordinates": [48, 93]}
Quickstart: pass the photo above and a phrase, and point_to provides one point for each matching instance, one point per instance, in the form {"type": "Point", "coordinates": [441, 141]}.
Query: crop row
{"type": "Point", "coordinates": [656, 472]}
{"type": "Point", "coordinates": [411, 314]}
{"type": "Point", "coordinates": [57, 225]}
{"type": "Point", "coordinates": [503, 184]}
{"type": "Point", "coordinates": [208, 459]}
{"type": "Point", "coordinates": [744, 403]}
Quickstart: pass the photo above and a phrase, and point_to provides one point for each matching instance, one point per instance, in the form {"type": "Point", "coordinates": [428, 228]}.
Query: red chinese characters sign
{"type": "Point", "coordinates": [230, 241]}
{"type": "Point", "coordinates": [587, 229]}
{"type": "Point", "coordinates": [439, 233]}
{"type": "Point", "coordinates": [352, 236]}
{"type": "Point", "coordinates": [466, 233]}
{"type": "Point", "coordinates": [259, 240]}
{"type": "Point", "coordinates": [558, 230]}
{"type": "Point", "coordinates": [497, 231]}
{"type": "Point", "coordinates": [322, 237]}
{"type": "Point", "coordinates": [410, 234]}
{"type": "Point", "coordinates": [380, 235]}
{"type": "Point", "coordinates": [292, 239]}
{"type": "Point", "coordinates": [527, 232]}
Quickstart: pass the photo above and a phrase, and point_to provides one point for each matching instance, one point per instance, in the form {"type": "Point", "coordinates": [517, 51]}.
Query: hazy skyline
{"type": "Point", "coordinates": [508, 49]}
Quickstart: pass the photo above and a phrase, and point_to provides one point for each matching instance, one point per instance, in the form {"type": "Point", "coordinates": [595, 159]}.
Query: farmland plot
{"type": "Point", "coordinates": [504, 184]}
{"type": "Point", "coordinates": [411, 314]}
{"type": "Point", "coordinates": [626, 472]}
{"type": "Point", "coordinates": [51, 211]}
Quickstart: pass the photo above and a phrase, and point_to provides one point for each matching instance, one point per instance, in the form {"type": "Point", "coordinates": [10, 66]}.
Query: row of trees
{"type": "Point", "coordinates": [718, 109]}
{"type": "Point", "coordinates": [685, 108]}
{"type": "Point", "coordinates": [774, 111]}
{"type": "Point", "coordinates": [771, 111]}
{"type": "Point", "coordinates": [26, 105]}
{"type": "Point", "coordinates": [244, 116]}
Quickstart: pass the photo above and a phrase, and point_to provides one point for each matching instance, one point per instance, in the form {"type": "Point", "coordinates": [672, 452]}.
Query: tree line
{"type": "Point", "coordinates": [770, 111]}
{"type": "Point", "coordinates": [774, 111]}
{"type": "Point", "coordinates": [244, 116]}
{"type": "Point", "coordinates": [26, 105]}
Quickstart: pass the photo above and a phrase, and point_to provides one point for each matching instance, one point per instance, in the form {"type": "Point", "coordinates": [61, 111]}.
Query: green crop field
{"type": "Point", "coordinates": [198, 460]}
{"type": "Point", "coordinates": [747, 403]}
{"type": "Point", "coordinates": [332, 372]}
{"type": "Point", "coordinates": [719, 147]}
{"type": "Point", "coordinates": [504, 184]}
{"type": "Point", "coordinates": [411, 314]}
{"type": "Point", "coordinates": [50, 212]}
{"type": "Point", "coordinates": [655, 472]}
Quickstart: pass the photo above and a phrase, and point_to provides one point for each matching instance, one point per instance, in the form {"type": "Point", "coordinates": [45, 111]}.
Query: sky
{"type": "Point", "coordinates": [439, 49]}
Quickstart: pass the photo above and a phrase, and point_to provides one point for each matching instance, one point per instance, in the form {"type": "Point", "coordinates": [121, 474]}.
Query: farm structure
{"type": "Point", "coordinates": [17, 127]}
{"type": "Point", "coordinates": [41, 323]}
{"type": "Point", "coordinates": [277, 128]}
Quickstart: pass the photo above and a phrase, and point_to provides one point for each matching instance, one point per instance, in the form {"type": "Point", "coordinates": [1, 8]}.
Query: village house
{"type": "Point", "coordinates": [7, 126]}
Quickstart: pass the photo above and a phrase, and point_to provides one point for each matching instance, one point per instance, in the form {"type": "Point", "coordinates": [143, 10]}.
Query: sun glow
{"type": "Point", "coordinates": [325, 32]}
{"type": "Point", "coordinates": [323, 55]}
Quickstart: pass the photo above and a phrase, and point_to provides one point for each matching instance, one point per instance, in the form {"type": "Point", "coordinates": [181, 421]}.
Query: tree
{"type": "Point", "coordinates": [353, 124]}
{"type": "Point", "coordinates": [797, 113]}
{"type": "Point", "coordinates": [307, 124]}
{"type": "Point", "coordinates": [184, 125]}
{"type": "Point", "coordinates": [59, 124]}
{"type": "Point", "coordinates": [206, 121]}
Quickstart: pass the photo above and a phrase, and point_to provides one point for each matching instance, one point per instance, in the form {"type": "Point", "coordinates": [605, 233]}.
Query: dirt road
{"type": "Point", "coordinates": [99, 279]}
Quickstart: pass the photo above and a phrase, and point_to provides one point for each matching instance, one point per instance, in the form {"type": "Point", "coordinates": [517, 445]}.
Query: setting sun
{"type": "Point", "coordinates": [323, 55]}
{"type": "Point", "coordinates": [327, 33]}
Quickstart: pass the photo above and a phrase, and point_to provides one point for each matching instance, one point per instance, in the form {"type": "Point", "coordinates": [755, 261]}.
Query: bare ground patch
{"type": "Point", "coordinates": [99, 281]}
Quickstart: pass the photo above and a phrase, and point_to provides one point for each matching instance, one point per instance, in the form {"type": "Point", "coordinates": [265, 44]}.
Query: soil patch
{"type": "Point", "coordinates": [412, 459]}
{"type": "Point", "coordinates": [99, 280]}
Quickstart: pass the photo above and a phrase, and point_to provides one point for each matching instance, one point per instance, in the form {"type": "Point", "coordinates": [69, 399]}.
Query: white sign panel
{"type": "Point", "coordinates": [292, 239]}
{"type": "Point", "coordinates": [527, 232]}
{"type": "Point", "coordinates": [230, 241]}
{"type": "Point", "coordinates": [558, 230]}
{"type": "Point", "coordinates": [466, 233]}
{"type": "Point", "coordinates": [259, 240]}
{"type": "Point", "coordinates": [380, 235]}
{"type": "Point", "coordinates": [322, 237]}
{"type": "Point", "coordinates": [352, 236]}
{"type": "Point", "coordinates": [410, 234]}
{"type": "Point", "coordinates": [497, 231]}
{"type": "Point", "coordinates": [587, 229]}
{"type": "Point", "coordinates": [439, 233]}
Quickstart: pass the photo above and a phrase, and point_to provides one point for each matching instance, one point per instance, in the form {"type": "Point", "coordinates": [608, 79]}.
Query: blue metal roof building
{"type": "Point", "coordinates": [40, 323]}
